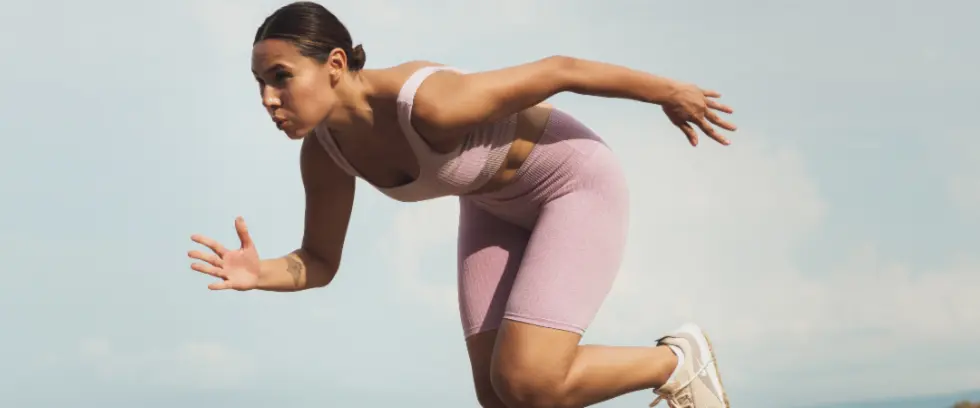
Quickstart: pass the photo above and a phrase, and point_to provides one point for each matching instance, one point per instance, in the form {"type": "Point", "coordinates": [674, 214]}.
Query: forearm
{"type": "Point", "coordinates": [296, 271]}
{"type": "Point", "coordinates": [613, 81]}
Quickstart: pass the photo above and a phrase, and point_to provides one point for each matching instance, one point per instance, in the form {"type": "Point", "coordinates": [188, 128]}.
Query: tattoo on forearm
{"type": "Point", "coordinates": [295, 268]}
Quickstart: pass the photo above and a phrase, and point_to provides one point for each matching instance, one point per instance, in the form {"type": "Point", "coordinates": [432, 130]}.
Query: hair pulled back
{"type": "Point", "coordinates": [314, 30]}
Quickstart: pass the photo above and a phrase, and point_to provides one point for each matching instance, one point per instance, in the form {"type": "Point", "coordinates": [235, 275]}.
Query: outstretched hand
{"type": "Point", "coordinates": [238, 269]}
{"type": "Point", "coordinates": [691, 105]}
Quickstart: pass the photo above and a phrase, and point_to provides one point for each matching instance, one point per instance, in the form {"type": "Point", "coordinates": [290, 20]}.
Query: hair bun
{"type": "Point", "coordinates": [357, 58]}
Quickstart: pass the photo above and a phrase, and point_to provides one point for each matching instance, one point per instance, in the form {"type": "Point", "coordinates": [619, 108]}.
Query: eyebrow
{"type": "Point", "coordinates": [270, 69]}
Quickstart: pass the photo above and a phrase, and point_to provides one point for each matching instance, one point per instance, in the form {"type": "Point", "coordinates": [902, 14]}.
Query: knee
{"type": "Point", "coordinates": [529, 388]}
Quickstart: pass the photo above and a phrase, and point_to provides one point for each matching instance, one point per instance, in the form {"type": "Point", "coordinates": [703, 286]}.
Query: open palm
{"type": "Point", "coordinates": [238, 269]}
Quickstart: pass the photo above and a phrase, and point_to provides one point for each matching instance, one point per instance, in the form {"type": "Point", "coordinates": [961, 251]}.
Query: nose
{"type": "Point", "coordinates": [270, 98]}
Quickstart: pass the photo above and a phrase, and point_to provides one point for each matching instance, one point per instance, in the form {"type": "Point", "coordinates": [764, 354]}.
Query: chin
{"type": "Point", "coordinates": [297, 134]}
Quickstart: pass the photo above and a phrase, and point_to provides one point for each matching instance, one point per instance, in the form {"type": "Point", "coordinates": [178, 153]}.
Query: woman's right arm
{"type": "Point", "coordinates": [329, 199]}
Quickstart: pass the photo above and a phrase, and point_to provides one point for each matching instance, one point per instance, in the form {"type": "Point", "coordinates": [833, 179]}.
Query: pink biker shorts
{"type": "Point", "coordinates": [545, 249]}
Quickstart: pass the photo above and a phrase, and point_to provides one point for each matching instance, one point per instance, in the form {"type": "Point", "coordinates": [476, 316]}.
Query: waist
{"type": "Point", "coordinates": [569, 158]}
{"type": "Point", "coordinates": [529, 129]}
{"type": "Point", "coordinates": [461, 175]}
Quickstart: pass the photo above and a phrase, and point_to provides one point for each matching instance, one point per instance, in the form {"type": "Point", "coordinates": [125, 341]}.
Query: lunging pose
{"type": "Point", "coordinates": [543, 202]}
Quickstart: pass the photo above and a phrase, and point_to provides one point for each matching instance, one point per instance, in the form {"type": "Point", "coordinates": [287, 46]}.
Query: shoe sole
{"type": "Point", "coordinates": [714, 361]}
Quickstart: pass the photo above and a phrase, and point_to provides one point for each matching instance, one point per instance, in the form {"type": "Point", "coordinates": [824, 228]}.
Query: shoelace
{"type": "Point", "coordinates": [671, 402]}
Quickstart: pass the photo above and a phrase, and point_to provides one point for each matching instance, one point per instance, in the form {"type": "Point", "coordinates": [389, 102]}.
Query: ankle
{"type": "Point", "coordinates": [667, 362]}
{"type": "Point", "coordinates": [675, 363]}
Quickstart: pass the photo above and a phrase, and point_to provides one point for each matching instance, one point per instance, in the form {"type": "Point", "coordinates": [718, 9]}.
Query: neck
{"type": "Point", "coordinates": [354, 111]}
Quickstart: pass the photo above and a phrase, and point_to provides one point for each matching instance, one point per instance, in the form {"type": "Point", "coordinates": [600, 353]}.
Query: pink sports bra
{"type": "Point", "coordinates": [463, 170]}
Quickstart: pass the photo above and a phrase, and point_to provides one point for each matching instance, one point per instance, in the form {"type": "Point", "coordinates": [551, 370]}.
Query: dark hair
{"type": "Point", "coordinates": [314, 30]}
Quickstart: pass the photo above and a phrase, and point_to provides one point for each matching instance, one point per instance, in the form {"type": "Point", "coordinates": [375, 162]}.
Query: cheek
{"type": "Point", "coordinates": [291, 100]}
{"type": "Point", "coordinates": [314, 104]}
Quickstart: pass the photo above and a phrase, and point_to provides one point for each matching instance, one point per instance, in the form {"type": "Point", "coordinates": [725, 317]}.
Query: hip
{"type": "Point", "coordinates": [568, 161]}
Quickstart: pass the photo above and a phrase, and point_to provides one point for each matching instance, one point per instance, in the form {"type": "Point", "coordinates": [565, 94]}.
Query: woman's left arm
{"type": "Point", "coordinates": [449, 102]}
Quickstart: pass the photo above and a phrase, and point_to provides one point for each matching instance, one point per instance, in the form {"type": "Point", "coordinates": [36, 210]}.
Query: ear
{"type": "Point", "coordinates": [337, 62]}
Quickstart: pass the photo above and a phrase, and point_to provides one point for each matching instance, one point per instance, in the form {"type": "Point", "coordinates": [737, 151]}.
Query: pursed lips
{"type": "Point", "coordinates": [279, 122]}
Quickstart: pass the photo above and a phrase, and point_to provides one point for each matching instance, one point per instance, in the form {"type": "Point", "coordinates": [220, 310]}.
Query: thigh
{"type": "Point", "coordinates": [570, 264]}
{"type": "Point", "coordinates": [490, 251]}
{"type": "Point", "coordinates": [489, 254]}
{"type": "Point", "coordinates": [571, 261]}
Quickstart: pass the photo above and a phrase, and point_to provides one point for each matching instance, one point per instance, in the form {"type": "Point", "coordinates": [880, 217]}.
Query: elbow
{"type": "Point", "coordinates": [323, 274]}
{"type": "Point", "coordinates": [559, 62]}
{"type": "Point", "coordinates": [318, 283]}
{"type": "Point", "coordinates": [320, 271]}
{"type": "Point", "coordinates": [561, 71]}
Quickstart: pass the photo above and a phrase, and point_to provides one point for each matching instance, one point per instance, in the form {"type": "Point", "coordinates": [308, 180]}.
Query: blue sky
{"type": "Point", "coordinates": [834, 241]}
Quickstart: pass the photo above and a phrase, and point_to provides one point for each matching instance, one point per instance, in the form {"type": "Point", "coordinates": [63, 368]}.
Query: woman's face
{"type": "Point", "coordinates": [297, 91]}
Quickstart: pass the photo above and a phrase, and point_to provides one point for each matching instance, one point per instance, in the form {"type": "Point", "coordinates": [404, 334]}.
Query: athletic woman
{"type": "Point", "coordinates": [543, 203]}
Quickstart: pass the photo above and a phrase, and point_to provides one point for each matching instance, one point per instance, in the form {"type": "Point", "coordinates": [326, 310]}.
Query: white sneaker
{"type": "Point", "coordinates": [696, 383]}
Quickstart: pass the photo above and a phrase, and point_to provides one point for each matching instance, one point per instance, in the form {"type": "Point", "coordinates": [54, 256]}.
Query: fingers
{"type": "Point", "coordinates": [685, 127]}
{"type": "Point", "coordinates": [713, 104]}
{"type": "Point", "coordinates": [210, 243]}
{"type": "Point", "coordinates": [688, 130]}
{"type": "Point", "coordinates": [242, 230]}
{"type": "Point", "coordinates": [711, 94]}
{"type": "Point", "coordinates": [711, 132]}
{"type": "Point", "coordinates": [209, 258]}
{"type": "Point", "coordinates": [686, 117]}
{"type": "Point", "coordinates": [220, 285]}
{"type": "Point", "coordinates": [209, 270]}
{"type": "Point", "coordinates": [692, 135]}
{"type": "Point", "coordinates": [713, 117]}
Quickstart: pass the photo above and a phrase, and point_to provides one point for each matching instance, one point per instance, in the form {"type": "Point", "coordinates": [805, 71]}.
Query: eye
{"type": "Point", "coordinates": [282, 76]}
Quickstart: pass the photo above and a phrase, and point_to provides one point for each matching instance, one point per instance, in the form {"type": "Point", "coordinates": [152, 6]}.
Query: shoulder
{"type": "Point", "coordinates": [406, 69]}
{"type": "Point", "coordinates": [388, 82]}
{"type": "Point", "coordinates": [429, 99]}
